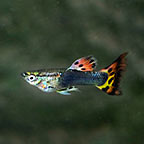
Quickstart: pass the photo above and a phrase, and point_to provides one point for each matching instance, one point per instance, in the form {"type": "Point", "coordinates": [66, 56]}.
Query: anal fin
{"type": "Point", "coordinates": [66, 91]}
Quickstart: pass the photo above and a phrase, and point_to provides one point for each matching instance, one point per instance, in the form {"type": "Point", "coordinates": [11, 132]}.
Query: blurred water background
{"type": "Point", "coordinates": [37, 34]}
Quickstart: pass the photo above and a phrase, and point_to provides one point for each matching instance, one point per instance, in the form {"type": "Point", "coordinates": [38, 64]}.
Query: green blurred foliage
{"type": "Point", "coordinates": [39, 34]}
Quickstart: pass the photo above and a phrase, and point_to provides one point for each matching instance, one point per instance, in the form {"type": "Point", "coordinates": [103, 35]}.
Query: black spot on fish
{"type": "Point", "coordinates": [91, 61]}
{"type": "Point", "coordinates": [110, 80]}
{"type": "Point", "coordinates": [76, 63]}
{"type": "Point", "coordinates": [112, 73]}
{"type": "Point", "coordinates": [93, 65]}
{"type": "Point", "coordinates": [110, 70]}
{"type": "Point", "coordinates": [81, 65]}
{"type": "Point", "coordinates": [50, 87]}
{"type": "Point", "coordinates": [105, 89]}
{"type": "Point", "coordinates": [83, 69]}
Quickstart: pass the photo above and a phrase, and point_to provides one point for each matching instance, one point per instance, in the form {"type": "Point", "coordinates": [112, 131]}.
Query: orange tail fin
{"type": "Point", "coordinates": [114, 71]}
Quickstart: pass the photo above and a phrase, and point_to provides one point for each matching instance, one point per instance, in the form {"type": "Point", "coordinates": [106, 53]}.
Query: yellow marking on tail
{"type": "Point", "coordinates": [114, 71]}
{"type": "Point", "coordinates": [106, 83]}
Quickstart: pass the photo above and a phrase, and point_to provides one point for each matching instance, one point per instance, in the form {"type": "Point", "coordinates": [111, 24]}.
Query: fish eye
{"type": "Point", "coordinates": [31, 77]}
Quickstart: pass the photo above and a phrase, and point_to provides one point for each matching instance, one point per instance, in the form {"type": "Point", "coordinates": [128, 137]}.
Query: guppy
{"type": "Point", "coordinates": [81, 72]}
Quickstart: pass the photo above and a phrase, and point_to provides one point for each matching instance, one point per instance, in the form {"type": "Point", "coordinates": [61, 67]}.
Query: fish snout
{"type": "Point", "coordinates": [24, 74]}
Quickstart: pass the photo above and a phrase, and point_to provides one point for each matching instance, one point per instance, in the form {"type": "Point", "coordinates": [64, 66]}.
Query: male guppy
{"type": "Point", "coordinates": [81, 72]}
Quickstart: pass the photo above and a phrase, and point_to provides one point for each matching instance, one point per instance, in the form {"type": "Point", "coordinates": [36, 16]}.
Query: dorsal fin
{"type": "Point", "coordinates": [84, 64]}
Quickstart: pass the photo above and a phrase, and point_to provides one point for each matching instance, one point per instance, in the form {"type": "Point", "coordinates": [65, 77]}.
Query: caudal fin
{"type": "Point", "coordinates": [114, 71]}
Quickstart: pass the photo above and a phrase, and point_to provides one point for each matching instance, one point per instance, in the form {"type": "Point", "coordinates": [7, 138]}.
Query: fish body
{"type": "Point", "coordinates": [74, 77]}
{"type": "Point", "coordinates": [81, 72]}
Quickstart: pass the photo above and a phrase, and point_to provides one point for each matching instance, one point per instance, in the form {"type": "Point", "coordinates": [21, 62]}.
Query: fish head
{"type": "Point", "coordinates": [31, 77]}
{"type": "Point", "coordinates": [45, 81]}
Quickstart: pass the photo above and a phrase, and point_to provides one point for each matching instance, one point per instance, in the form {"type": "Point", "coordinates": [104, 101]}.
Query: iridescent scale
{"type": "Point", "coordinates": [49, 82]}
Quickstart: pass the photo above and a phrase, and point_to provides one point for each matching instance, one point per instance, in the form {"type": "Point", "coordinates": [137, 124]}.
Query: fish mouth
{"type": "Point", "coordinates": [23, 74]}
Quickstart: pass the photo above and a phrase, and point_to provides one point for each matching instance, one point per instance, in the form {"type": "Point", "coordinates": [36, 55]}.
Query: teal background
{"type": "Point", "coordinates": [37, 34]}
